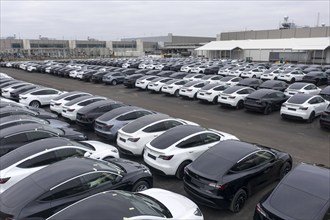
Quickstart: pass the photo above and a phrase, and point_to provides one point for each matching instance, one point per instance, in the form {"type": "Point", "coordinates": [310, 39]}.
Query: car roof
{"type": "Point", "coordinates": [261, 92]}
{"type": "Point", "coordinates": [7, 109]}
{"type": "Point", "coordinates": [143, 121]}
{"type": "Point", "coordinates": [13, 118]}
{"type": "Point", "coordinates": [308, 187]}
{"type": "Point", "coordinates": [79, 99]}
{"type": "Point", "coordinates": [67, 94]}
{"type": "Point", "coordinates": [299, 98]}
{"type": "Point", "coordinates": [94, 105]}
{"type": "Point", "coordinates": [23, 128]}
{"type": "Point", "coordinates": [116, 112]}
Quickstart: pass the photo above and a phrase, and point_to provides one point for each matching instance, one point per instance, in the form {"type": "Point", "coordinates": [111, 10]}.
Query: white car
{"type": "Point", "coordinates": [234, 96]}
{"type": "Point", "coordinates": [304, 106]}
{"type": "Point", "coordinates": [57, 103]}
{"type": "Point", "coordinates": [152, 204]}
{"type": "Point", "coordinates": [198, 69]}
{"type": "Point", "coordinates": [237, 72]}
{"type": "Point", "coordinates": [133, 137]}
{"type": "Point", "coordinates": [253, 73]}
{"type": "Point", "coordinates": [157, 84]}
{"type": "Point", "coordinates": [191, 88]}
{"type": "Point", "coordinates": [173, 87]}
{"type": "Point", "coordinates": [211, 92]}
{"type": "Point", "coordinates": [187, 68]}
{"type": "Point", "coordinates": [5, 92]}
{"type": "Point", "coordinates": [170, 152]}
{"type": "Point", "coordinates": [302, 88]}
{"type": "Point", "coordinates": [270, 74]}
{"type": "Point", "coordinates": [224, 71]}
{"type": "Point", "coordinates": [39, 154]}
{"type": "Point", "coordinates": [70, 109]}
{"type": "Point", "coordinates": [193, 77]}
{"type": "Point", "coordinates": [212, 78]}
{"type": "Point", "coordinates": [291, 76]}
{"type": "Point", "coordinates": [39, 96]}
{"type": "Point", "coordinates": [143, 82]}
{"type": "Point", "coordinates": [230, 80]}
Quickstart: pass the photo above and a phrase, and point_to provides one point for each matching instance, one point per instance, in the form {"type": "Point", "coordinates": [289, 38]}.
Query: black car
{"type": "Point", "coordinates": [303, 194]}
{"type": "Point", "coordinates": [153, 72]}
{"type": "Point", "coordinates": [166, 73]}
{"type": "Point", "coordinates": [325, 119]}
{"type": "Point", "coordinates": [97, 77]}
{"type": "Point", "coordinates": [228, 173]}
{"type": "Point", "coordinates": [274, 84]}
{"type": "Point", "coordinates": [65, 182]}
{"type": "Point", "coordinates": [316, 77]}
{"type": "Point", "coordinates": [211, 70]}
{"type": "Point", "coordinates": [250, 82]}
{"type": "Point", "coordinates": [86, 116]}
{"type": "Point", "coordinates": [14, 94]}
{"type": "Point", "coordinates": [8, 110]}
{"type": "Point", "coordinates": [18, 135]}
{"type": "Point", "coordinates": [88, 75]}
{"type": "Point", "coordinates": [175, 67]}
{"type": "Point", "coordinates": [325, 93]}
{"type": "Point", "coordinates": [129, 81]}
{"type": "Point", "coordinates": [178, 75]}
{"type": "Point", "coordinates": [265, 100]}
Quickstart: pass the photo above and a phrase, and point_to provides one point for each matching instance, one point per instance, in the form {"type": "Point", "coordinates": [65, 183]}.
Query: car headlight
{"type": "Point", "coordinates": [198, 212]}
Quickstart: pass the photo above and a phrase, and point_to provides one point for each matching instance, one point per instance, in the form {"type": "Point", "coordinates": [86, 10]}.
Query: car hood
{"type": "Point", "coordinates": [46, 115]}
{"type": "Point", "coordinates": [129, 166]}
{"type": "Point", "coordinates": [177, 204]}
{"type": "Point", "coordinates": [73, 135]}
{"type": "Point", "coordinates": [100, 146]}
{"type": "Point", "coordinates": [57, 123]}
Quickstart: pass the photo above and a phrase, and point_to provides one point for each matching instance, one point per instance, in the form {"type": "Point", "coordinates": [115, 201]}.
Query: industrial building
{"type": "Point", "coordinates": [297, 45]}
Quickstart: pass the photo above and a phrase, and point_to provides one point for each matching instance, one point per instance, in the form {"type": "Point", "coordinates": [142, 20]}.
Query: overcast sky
{"type": "Point", "coordinates": [113, 20]}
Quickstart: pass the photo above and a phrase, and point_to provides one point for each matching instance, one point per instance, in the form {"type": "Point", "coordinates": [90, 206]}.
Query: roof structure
{"type": "Point", "coordinates": [283, 44]}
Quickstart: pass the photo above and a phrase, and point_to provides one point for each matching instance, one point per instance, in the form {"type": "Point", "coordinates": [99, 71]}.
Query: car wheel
{"type": "Point", "coordinates": [176, 93]}
{"type": "Point", "coordinates": [240, 104]}
{"type": "Point", "coordinates": [275, 78]}
{"type": "Point", "coordinates": [140, 186]}
{"type": "Point", "coordinates": [180, 171]}
{"type": "Point", "coordinates": [254, 76]}
{"type": "Point", "coordinates": [311, 117]}
{"type": "Point", "coordinates": [268, 110]}
{"type": "Point", "coordinates": [283, 117]}
{"type": "Point", "coordinates": [284, 170]}
{"type": "Point", "coordinates": [195, 96]}
{"type": "Point", "coordinates": [215, 100]}
{"type": "Point", "coordinates": [318, 82]}
{"type": "Point", "coordinates": [114, 82]}
{"type": "Point", "coordinates": [292, 80]}
{"type": "Point", "coordinates": [35, 104]}
{"type": "Point", "coordinates": [238, 201]}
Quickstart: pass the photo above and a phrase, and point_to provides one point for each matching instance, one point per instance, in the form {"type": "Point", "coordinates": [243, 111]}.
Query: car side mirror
{"type": "Point", "coordinates": [87, 154]}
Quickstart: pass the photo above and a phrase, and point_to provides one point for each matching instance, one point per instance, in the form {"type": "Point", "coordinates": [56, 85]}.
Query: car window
{"type": "Point", "coordinates": [21, 137]}
{"type": "Point", "coordinates": [69, 152]}
{"type": "Point", "coordinates": [235, 80]}
{"type": "Point", "coordinates": [36, 135]}
{"type": "Point", "coordinates": [208, 138]}
{"type": "Point", "coordinates": [180, 83]}
{"type": "Point", "coordinates": [128, 116]}
{"type": "Point", "coordinates": [41, 160]}
{"type": "Point", "coordinates": [142, 113]}
{"type": "Point", "coordinates": [245, 164]}
{"type": "Point", "coordinates": [172, 123]}
{"type": "Point", "coordinates": [42, 92]}
{"type": "Point", "coordinates": [191, 142]}
{"type": "Point", "coordinates": [242, 92]}
{"type": "Point", "coordinates": [155, 128]}
{"type": "Point", "coordinates": [93, 180]}
{"type": "Point", "coordinates": [313, 101]}
{"type": "Point", "coordinates": [74, 97]}
{"type": "Point", "coordinates": [51, 92]}
{"type": "Point", "coordinates": [263, 157]}
{"type": "Point", "coordinates": [320, 100]}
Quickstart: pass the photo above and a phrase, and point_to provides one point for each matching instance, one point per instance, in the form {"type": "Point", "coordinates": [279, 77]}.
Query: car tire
{"type": "Point", "coordinates": [114, 82]}
{"type": "Point", "coordinates": [35, 104]}
{"type": "Point", "coordinates": [292, 80]}
{"type": "Point", "coordinates": [180, 171]}
{"type": "Point", "coordinates": [238, 201]}
{"type": "Point", "coordinates": [215, 100]}
{"type": "Point", "coordinates": [240, 104]}
{"type": "Point", "coordinates": [140, 186]}
{"type": "Point", "coordinates": [283, 117]}
{"type": "Point", "coordinates": [176, 93]}
{"type": "Point", "coordinates": [254, 76]}
{"type": "Point", "coordinates": [268, 110]}
{"type": "Point", "coordinates": [311, 117]}
{"type": "Point", "coordinates": [286, 167]}
{"type": "Point", "coordinates": [318, 82]}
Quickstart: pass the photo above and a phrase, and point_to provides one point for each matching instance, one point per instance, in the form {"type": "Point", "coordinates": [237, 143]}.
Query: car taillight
{"type": "Point", "coordinates": [232, 97]}
{"type": "Point", "coordinates": [133, 139]}
{"type": "Point", "coordinates": [57, 103]}
{"type": "Point", "coordinates": [4, 180]}
{"type": "Point", "coordinates": [217, 186]}
{"type": "Point", "coordinates": [260, 210]}
{"type": "Point", "coordinates": [303, 108]}
{"type": "Point", "coordinates": [22, 97]}
{"type": "Point", "coordinates": [166, 157]}
{"type": "Point", "coordinates": [70, 109]}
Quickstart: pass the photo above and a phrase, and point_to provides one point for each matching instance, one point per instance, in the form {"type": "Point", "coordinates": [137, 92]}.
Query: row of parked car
{"type": "Point", "coordinates": [217, 169]}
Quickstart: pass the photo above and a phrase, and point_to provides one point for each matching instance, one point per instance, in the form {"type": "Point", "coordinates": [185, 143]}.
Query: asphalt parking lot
{"type": "Point", "coordinates": [305, 142]}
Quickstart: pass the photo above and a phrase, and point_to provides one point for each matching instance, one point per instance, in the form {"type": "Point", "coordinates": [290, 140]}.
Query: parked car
{"type": "Point", "coordinates": [67, 181]}
{"type": "Point", "coordinates": [230, 80]}
{"type": "Point", "coordinates": [172, 87]}
{"type": "Point", "coordinates": [12, 120]}
{"type": "Point", "coordinates": [265, 101]}
{"type": "Point", "coordinates": [305, 188]}
{"type": "Point", "coordinates": [70, 109]}
{"type": "Point", "coordinates": [303, 107]}
{"type": "Point", "coordinates": [129, 81]}
{"type": "Point", "coordinates": [325, 118]}
{"type": "Point", "coordinates": [234, 96]}
{"type": "Point", "coordinates": [172, 151]}
{"type": "Point", "coordinates": [98, 76]}
{"type": "Point", "coordinates": [142, 83]}
{"type": "Point", "coordinates": [231, 171]}
{"type": "Point", "coordinates": [5, 91]}
{"type": "Point", "coordinates": [211, 78]}
{"type": "Point", "coordinates": [274, 84]}
{"type": "Point", "coordinates": [253, 73]}
{"type": "Point", "coordinates": [325, 93]}
{"type": "Point", "coordinates": [250, 82]}
{"type": "Point", "coordinates": [18, 135]}
{"type": "Point", "coordinates": [271, 74]}
{"type": "Point", "coordinates": [151, 203]}
{"type": "Point", "coordinates": [108, 124]}
{"type": "Point", "coordinates": [291, 76]}
{"type": "Point", "coordinates": [20, 110]}
{"type": "Point", "coordinates": [39, 96]}
{"type": "Point", "coordinates": [14, 94]}
{"type": "Point", "coordinates": [156, 84]}
{"type": "Point", "coordinates": [86, 115]}
{"type": "Point", "coordinates": [190, 89]}
{"type": "Point", "coordinates": [302, 88]}
{"type": "Point", "coordinates": [133, 137]}
{"type": "Point", "coordinates": [211, 92]}
{"type": "Point", "coordinates": [29, 158]}
{"type": "Point", "coordinates": [317, 77]}
{"type": "Point", "coordinates": [114, 78]}
{"type": "Point", "coordinates": [57, 103]}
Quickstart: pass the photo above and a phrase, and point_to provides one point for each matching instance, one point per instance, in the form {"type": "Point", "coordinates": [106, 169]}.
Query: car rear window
{"type": "Point", "coordinates": [298, 99]}
{"type": "Point", "coordinates": [297, 86]}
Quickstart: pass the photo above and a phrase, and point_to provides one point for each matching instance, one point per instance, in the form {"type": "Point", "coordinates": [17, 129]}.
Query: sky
{"type": "Point", "coordinates": [113, 20]}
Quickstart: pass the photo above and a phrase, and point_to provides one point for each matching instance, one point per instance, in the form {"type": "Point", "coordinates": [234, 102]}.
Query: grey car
{"type": "Point", "coordinates": [108, 124]}
{"type": "Point", "coordinates": [114, 78]}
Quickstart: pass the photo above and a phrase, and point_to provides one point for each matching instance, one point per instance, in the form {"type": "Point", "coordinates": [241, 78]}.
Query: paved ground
{"type": "Point", "coordinates": [305, 142]}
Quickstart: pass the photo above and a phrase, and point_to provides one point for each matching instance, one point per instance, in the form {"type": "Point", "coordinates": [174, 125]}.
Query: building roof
{"type": "Point", "coordinates": [284, 44]}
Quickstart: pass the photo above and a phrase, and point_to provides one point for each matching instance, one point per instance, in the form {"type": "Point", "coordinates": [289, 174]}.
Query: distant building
{"type": "Point", "coordinates": [303, 45]}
